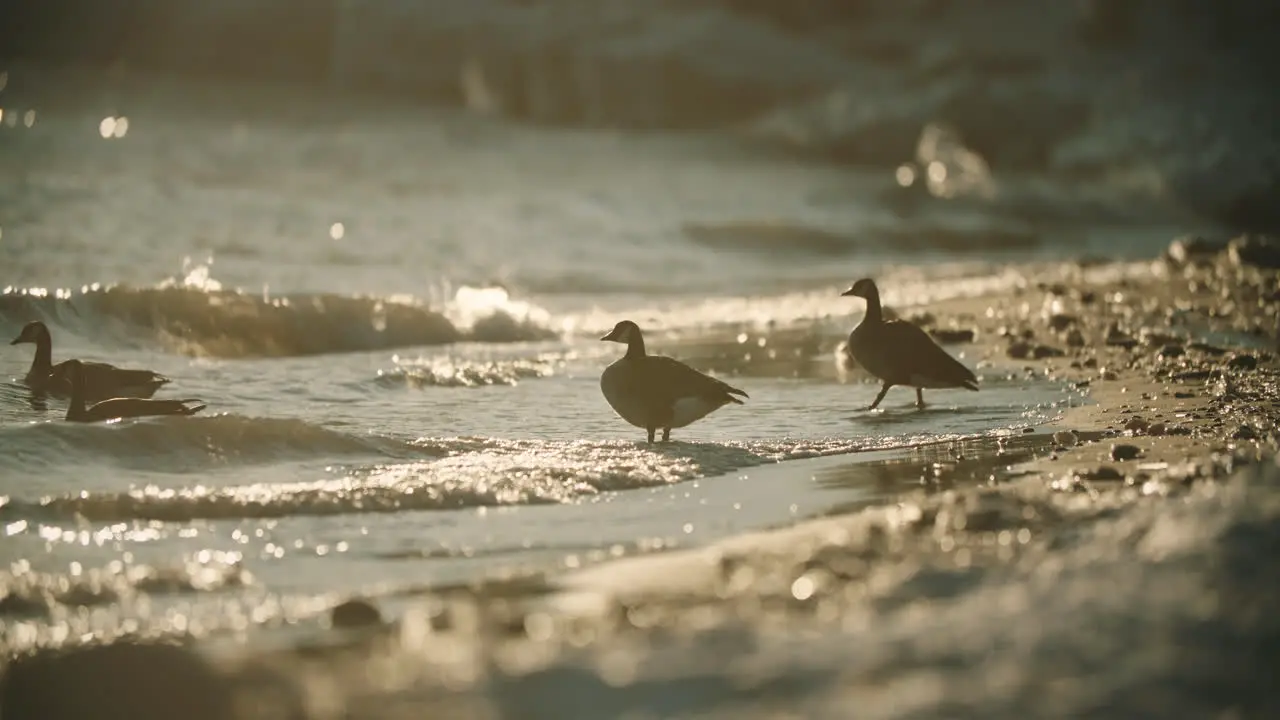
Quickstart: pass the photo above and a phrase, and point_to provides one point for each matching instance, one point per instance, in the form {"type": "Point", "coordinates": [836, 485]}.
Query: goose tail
{"type": "Point", "coordinates": [190, 410]}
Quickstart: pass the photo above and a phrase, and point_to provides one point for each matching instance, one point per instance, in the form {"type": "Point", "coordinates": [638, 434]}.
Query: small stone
{"type": "Point", "coordinates": [1105, 472]}
{"type": "Point", "coordinates": [1118, 338]}
{"type": "Point", "coordinates": [1075, 338]}
{"type": "Point", "coordinates": [1120, 453]}
{"type": "Point", "coordinates": [1157, 429]}
{"type": "Point", "coordinates": [1106, 374]}
{"type": "Point", "coordinates": [1136, 425]}
{"type": "Point", "coordinates": [1172, 351]}
{"type": "Point", "coordinates": [1066, 438]}
{"type": "Point", "coordinates": [1184, 395]}
{"type": "Point", "coordinates": [1244, 432]}
{"type": "Point", "coordinates": [948, 336]}
{"type": "Point", "coordinates": [1045, 351]}
{"type": "Point", "coordinates": [355, 613]}
{"type": "Point", "coordinates": [1243, 362]}
{"type": "Point", "coordinates": [1061, 321]}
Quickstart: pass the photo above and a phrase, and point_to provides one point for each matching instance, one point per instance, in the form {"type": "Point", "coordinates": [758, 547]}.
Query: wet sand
{"type": "Point", "coordinates": [1118, 563]}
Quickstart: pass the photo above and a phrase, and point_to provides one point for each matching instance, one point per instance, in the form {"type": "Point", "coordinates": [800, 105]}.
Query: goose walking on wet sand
{"type": "Point", "coordinates": [117, 408]}
{"type": "Point", "coordinates": [100, 379]}
{"type": "Point", "coordinates": [900, 353]}
{"type": "Point", "coordinates": [655, 391]}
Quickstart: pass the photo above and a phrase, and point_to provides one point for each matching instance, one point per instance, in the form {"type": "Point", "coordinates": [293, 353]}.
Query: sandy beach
{"type": "Point", "coordinates": [1116, 563]}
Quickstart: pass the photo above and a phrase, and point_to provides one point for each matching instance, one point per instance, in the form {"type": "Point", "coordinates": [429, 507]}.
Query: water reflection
{"type": "Point", "coordinates": [939, 466]}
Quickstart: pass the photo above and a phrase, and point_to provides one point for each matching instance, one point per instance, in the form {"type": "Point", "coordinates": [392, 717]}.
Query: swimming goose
{"type": "Point", "coordinates": [654, 391]}
{"type": "Point", "coordinates": [101, 380]}
{"type": "Point", "coordinates": [900, 353]}
{"type": "Point", "coordinates": [115, 408]}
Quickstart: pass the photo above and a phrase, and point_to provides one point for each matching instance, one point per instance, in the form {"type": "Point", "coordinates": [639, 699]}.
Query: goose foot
{"type": "Point", "coordinates": [666, 434]}
{"type": "Point", "coordinates": [884, 389]}
{"type": "Point", "coordinates": [920, 399]}
{"type": "Point", "coordinates": [651, 432]}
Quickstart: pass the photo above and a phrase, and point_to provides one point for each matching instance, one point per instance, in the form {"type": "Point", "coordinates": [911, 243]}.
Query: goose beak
{"type": "Point", "coordinates": [848, 293]}
{"type": "Point", "coordinates": [608, 336]}
{"type": "Point", "coordinates": [17, 340]}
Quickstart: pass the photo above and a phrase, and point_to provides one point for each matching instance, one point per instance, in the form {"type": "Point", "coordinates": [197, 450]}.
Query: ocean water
{"type": "Point", "coordinates": [393, 314]}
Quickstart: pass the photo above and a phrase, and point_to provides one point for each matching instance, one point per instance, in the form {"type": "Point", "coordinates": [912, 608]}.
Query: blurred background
{"type": "Point", "coordinates": [1165, 102]}
{"type": "Point", "coordinates": [1173, 95]}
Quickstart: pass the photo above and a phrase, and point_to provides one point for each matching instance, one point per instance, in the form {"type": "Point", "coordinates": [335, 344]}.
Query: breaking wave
{"type": "Point", "coordinates": [210, 321]}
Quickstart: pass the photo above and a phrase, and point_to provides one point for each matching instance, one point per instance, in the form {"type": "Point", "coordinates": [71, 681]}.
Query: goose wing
{"type": "Point", "coordinates": [138, 407]}
{"type": "Point", "coordinates": [672, 379]}
{"type": "Point", "coordinates": [921, 356]}
{"type": "Point", "coordinates": [104, 379]}
{"type": "Point", "coordinates": [96, 373]}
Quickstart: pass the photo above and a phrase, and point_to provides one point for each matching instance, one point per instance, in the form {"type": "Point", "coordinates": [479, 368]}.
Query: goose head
{"type": "Point", "coordinates": [32, 332]}
{"type": "Point", "coordinates": [625, 332]}
{"type": "Point", "coordinates": [864, 288]}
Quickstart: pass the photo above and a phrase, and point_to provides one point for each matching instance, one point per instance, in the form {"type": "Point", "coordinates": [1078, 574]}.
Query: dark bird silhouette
{"type": "Point", "coordinates": [115, 408]}
{"type": "Point", "coordinates": [100, 379]}
{"type": "Point", "coordinates": [655, 391]}
{"type": "Point", "coordinates": [900, 353]}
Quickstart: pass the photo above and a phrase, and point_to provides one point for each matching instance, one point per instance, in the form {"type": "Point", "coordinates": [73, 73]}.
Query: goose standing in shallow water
{"type": "Point", "coordinates": [654, 391]}
{"type": "Point", "coordinates": [900, 353]}
{"type": "Point", "coordinates": [115, 408]}
{"type": "Point", "coordinates": [100, 379]}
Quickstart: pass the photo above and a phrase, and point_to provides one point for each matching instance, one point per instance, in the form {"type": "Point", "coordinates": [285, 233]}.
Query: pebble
{"type": "Point", "coordinates": [1066, 438]}
{"type": "Point", "coordinates": [953, 335]}
{"type": "Point", "coordinates": [1120, 453]}
{"type": "Point", "coordinates": [1060, 321]}
{"type": "Point", "coordinates": [1105, 472]}
{"type": "Point", "coordinates": [1243, 362]}
{"type": "Point", "coordinates": [1022, 350]}
{"type": "Point", "coordinates": [1244, 432]}
{"type": "Point", "coordinates": [355, 613]}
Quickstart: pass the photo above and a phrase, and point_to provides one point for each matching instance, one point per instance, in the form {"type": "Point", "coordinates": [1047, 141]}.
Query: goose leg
{"type": "Point", "coordinates": [666, 434]}
{"type": "Point", "coordinates": [652, 430]}
{"type": "Point", "coordinates": [920, 397]}
{"type": "Point", "coordinates": [884, 389]}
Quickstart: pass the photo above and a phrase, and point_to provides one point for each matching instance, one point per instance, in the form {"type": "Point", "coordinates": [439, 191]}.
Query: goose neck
{"type": "Point", "coordinates": [43, 361]}
{"type": "Point", "coordinates": [635, 347]}
{"type": "Point", "coordinates": [874, 312]}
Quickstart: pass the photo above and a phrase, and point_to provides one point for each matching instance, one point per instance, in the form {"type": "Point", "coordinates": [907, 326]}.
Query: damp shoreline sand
{"type": "Point", "coordinates": [1086, 578]}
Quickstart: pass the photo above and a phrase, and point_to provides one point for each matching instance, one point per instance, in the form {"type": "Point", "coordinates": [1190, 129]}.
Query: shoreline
{"type": "Point", "coordinates": [1066, 585]}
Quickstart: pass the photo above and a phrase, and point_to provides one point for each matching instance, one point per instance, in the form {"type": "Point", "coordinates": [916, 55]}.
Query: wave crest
{"type": "Point", "coordinates": [194, 444]}
{"type": "Point", "coordinates": [205, 320]}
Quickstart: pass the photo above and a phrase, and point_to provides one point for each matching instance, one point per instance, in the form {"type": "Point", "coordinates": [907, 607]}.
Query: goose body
{"type": "Point", "coordinates": [655, 391]}
{"type": "Point", "coordinates": [900, 353]}
{"type": "Point", "coordinates": [101, 380]}
{"type": "Point", "coordinates": [116, 408]}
